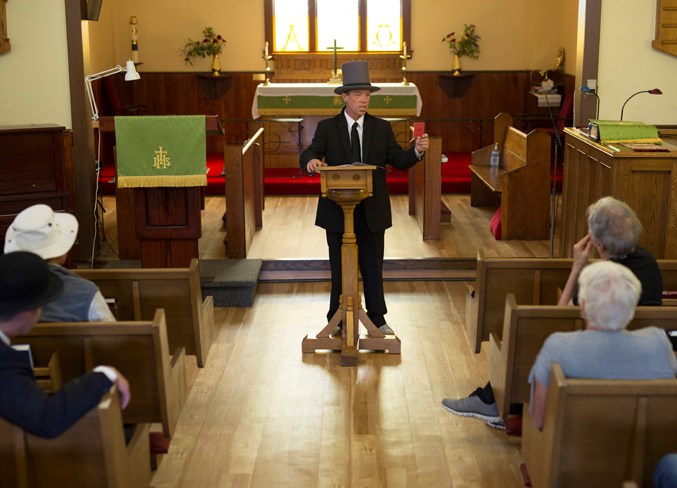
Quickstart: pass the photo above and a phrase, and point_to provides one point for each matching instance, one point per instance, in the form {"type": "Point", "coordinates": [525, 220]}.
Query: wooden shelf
{"type": "Point", "coordinates": [214, 86]}
{"type": "Point", "coordinates": [455, 86]}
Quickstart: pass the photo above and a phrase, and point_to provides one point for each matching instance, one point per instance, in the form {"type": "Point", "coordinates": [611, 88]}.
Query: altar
{"type": "Point", "coordinates": [289, 99]}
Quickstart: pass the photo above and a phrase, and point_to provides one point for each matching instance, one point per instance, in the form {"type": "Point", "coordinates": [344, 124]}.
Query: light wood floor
{"type": "Point", "coordinates": [261, 414]}
{"type": "Point", "coordinates": [289, 232]}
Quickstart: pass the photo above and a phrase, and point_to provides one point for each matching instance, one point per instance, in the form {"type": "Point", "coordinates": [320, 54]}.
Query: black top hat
{"type": "Point", "coordinates": [26, 283]}
{"type": "Point", "coordinates": [355, 77]}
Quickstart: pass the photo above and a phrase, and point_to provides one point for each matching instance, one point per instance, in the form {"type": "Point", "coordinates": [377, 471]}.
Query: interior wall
{"type": "Point", "coordinates": [508, 31]}
{"type": "Point", "coordinates": [628, 63]}
{"type": "Point", "coordinates": [34, 85]}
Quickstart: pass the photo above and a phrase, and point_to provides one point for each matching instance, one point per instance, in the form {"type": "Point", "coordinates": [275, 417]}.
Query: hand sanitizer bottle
{"type": "Point", "coordinates": [494, 156]}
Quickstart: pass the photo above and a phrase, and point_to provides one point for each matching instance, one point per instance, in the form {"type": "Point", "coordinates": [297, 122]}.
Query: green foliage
{"type": "Point", "coordinates": [467, 46]}
{"type": "Point", "coordinates": [211, 44]}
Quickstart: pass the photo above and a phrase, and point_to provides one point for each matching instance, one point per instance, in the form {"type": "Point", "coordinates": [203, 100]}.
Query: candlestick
{"type": "Point", "coordinates": [135, 38]}
{"type": "Point", "coordinates": [404, 44]}
{"type": "Point", "coordinates": [266, 50]}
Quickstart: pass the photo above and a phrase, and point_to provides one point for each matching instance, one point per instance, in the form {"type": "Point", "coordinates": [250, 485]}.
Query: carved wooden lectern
{"type": "Point", "coordinates": [348, 186]}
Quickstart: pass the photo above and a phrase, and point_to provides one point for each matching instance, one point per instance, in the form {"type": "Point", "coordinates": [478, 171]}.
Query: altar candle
{"type": "Point", "coordinates": [266, 50]}
{"type": "Point", "coordinates": [404, 45]}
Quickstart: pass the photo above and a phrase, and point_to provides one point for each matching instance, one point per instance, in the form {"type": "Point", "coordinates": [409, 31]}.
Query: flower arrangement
{"type": "Point", "coordinates": [467, 45]}
{"type": "Point", "coordinates": [209, 46]}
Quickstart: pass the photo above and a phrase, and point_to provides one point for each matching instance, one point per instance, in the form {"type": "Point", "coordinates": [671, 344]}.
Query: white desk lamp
{"type": "Point", "coordinates": [130, 75]}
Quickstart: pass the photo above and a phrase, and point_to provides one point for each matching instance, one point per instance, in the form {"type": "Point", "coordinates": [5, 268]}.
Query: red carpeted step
{"type": "Point", "coordinates": [292, 181]}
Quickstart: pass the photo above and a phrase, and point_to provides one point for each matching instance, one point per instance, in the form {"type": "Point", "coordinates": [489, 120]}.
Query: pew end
{"type": "Point", "coordinates": [92, 452]}
{"type": "Point", "coordinates": [600, 432]}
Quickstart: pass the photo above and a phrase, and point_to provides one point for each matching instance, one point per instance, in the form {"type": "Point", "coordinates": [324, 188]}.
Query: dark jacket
{"type": "Point", "coordinates": [332, 142]}
{"type": "Point", "coordinates": [24, 404]}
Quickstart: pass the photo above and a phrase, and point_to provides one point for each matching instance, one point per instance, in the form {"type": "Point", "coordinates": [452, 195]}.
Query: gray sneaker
{"type": "Point", "coordinates": [472, 406]}
{"type": "Point", "coordinates": [385, 328]}
{"type": "Point", "coordinates": [336, 332]}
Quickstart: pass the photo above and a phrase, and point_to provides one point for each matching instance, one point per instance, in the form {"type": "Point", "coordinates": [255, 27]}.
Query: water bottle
{"type": "Point", "coordinates": [494, 156]}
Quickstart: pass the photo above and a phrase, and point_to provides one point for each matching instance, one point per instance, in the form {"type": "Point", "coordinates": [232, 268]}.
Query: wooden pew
{"type": "Point", "coordinates": [525, 329]}
{"type": "Point", "coordinates": [91, 453]}
{"type": "Point", "coordinates": [139, 350]}
{"type": "Point", "coordinates": [139, 292]}
{"type": "Point", "coordinates": [425, 192]}
{"type": "Point", "coordinates": [521, 182]}
{"type": "Point", "coordinates": [532, 281]}
{"type": "Point", "coordinates": [244, 195]}
{"type": "Point", "coordinates": [600, 432]}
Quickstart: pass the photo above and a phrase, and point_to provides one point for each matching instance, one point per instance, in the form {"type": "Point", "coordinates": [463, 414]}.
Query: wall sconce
{"type": "Point", "coordinates": [130, 75]}
{"type": "Point", "coordinates": [653, 91]}
{"type": "Point", "coordinates": [588, 91]}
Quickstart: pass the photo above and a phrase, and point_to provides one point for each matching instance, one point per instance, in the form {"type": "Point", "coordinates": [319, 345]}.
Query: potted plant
{"type": "Point", "coordinates": [210, 45]}
{"type": "Point", "coordinates": [467, 45]}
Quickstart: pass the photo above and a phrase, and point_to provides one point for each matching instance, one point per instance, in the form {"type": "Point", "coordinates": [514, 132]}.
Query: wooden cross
{"type": "Point", "coordinates": [335, 47]}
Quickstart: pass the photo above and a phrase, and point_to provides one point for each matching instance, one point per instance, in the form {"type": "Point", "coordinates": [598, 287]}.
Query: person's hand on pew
{"type": "Point", "coordinates": [119, 381]}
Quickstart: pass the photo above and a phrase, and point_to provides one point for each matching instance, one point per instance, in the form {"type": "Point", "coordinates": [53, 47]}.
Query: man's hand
{"type": "Point", "coordinates": [313, 164]}
{"type": "Point", "coordinates": [582, 250]}
{"type": "Point", "coordinates": [122, 385]}
{"type": "Point", "coordinates": [422, 143]}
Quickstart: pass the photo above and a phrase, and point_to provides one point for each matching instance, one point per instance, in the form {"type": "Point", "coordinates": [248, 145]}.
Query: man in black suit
{"type": "Point", "coordinates": [26, 284]}
{"type": "Point", "coordinates": [355, 136]}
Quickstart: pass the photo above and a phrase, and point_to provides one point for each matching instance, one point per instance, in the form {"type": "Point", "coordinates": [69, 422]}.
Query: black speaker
{"type": "Point", "coordinates": [93, 9]}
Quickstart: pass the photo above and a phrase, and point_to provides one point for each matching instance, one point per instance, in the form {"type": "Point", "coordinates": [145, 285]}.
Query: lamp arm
{"type": "Point", "coordinates": [623, 107]}
{"type": "Point", "coordinates": [88, 86]}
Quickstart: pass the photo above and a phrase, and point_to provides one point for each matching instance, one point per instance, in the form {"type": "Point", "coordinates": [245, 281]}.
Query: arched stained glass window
{"type": "Point", "coordinates": [355, 25]}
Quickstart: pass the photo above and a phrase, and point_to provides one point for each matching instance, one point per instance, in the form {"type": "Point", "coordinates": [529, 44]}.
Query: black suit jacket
{"type": "Point", "coordinates": [24, 404]}
{"type": "Point", "coordinates": [332, 142]}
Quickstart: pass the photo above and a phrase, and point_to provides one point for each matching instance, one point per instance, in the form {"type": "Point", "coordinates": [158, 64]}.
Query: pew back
{"type": "Point", "coordinates": [532, 281]}
{"type": "Point", "coordinates": [92, 452]}
{"type": "Point", "coordinates": [601, 432]}
{"type": "Point", "coordinates": [138, 350]}
{"type": "Point", "coordinates": [526, 327]}
{"type": "Point", "coordinates": [139, 292]}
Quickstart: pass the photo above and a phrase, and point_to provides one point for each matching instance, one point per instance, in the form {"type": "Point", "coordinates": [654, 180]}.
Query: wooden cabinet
{"type": "Point", "coordinates": [647, 181]}
{"type": "Point", "coordinates": [35, 167]}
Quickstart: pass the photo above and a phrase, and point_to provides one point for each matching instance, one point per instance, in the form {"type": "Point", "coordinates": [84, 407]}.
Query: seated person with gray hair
{"type": "Point", "coordinates": [27, 284]}
{"type": "Point", "coordinates": [608, 294]}
{"type": "Point", "coordinates": [50, 235]}
{"type": "Point", "coordinates": [613, 229]}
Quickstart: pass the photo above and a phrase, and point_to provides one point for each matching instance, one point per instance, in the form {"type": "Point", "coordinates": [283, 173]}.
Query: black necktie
{"type": "Point", "coordinates": [355, 144]}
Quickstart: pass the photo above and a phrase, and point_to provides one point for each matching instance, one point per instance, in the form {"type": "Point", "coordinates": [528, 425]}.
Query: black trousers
{"type": "Point", "coordinates": [370, 256]}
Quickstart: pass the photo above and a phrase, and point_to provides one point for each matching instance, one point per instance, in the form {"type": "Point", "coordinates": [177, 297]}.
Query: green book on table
{"type": "Point", "coordinates": [620, 131]}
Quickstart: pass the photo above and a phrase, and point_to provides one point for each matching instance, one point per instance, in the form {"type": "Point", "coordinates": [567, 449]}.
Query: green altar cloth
{"type": "Point", "coordinates": [157, 151]}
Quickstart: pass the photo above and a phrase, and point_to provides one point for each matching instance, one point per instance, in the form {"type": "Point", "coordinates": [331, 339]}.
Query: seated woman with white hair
{"type": "Point", "coordinates": [608, 296]}
{"type": "Point", "coordinates": [50, 235]}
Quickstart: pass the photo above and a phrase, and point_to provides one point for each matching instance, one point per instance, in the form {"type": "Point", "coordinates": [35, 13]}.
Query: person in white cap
{"type": "Point", "coordinates": [355, 136]}
{"type": "Point", "coordinates": [50, 235]}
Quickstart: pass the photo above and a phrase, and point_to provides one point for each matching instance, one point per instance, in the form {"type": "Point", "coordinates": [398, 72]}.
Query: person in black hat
{"type": "Point", "coordinates": [26, 284]}
{"type": "Point", "coordinates": [355, 136]}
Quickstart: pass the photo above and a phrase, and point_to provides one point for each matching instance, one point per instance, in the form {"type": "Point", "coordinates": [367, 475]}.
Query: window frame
{"type": "Point", "coordinates": [405, 13]}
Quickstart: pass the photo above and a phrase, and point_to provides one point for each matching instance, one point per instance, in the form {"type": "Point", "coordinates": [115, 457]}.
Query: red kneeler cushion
{"type": "Point", "coordinates": [495, 224]}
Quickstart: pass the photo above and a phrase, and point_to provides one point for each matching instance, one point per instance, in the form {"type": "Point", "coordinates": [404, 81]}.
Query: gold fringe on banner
{"type": "Point", "coordinates": [160, 181]}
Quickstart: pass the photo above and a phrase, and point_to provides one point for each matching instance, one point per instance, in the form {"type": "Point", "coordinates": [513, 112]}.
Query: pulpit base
{"type": "Point", "coordinates": [374, 341]}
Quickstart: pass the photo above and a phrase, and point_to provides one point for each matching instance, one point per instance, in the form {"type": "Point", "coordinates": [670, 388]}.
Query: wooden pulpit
{"type": "Point", "coordinates": [348, 186]}
{"type": "Point", "coordinates": [160, 226]}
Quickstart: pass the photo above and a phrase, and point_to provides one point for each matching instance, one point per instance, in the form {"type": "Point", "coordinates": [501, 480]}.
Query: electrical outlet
{"type": "Point", "coordinates": [592, 84]}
